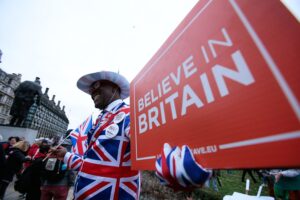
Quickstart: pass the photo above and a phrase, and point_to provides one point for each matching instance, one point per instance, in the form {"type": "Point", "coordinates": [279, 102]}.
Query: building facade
{"type": "Point", "coordinates": [33, 109]}
{"type": "Point", "coordinates": [8, 83]}
{"type": "Point", "coordinates": [47, 117]}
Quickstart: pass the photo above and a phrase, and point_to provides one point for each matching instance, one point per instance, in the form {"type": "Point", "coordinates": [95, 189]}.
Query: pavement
{"type": "Point", "coordinates": [11, 194]}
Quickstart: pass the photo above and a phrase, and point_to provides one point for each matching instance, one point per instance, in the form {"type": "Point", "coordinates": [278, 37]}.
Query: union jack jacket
{"type": "Point", "coordinates": [105, 168]}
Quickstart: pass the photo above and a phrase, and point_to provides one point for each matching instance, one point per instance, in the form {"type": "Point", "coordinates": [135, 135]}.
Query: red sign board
{"type": "Point", "coordinates": [226, 83]}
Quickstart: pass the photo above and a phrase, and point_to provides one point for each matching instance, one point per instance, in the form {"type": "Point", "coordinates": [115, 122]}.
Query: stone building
{"type": "Point", "coordinates": [33, 109]}
{"type": "Point", "coordinates": [47, 117]}
{"type": "Point", "coordinates": [8, 83]}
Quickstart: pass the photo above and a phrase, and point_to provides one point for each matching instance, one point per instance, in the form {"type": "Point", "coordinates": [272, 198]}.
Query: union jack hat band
{"type": "Point", "coordinates": [86, 81]}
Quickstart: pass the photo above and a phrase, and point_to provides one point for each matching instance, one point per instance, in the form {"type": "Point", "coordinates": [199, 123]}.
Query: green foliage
{"type": "Point", "coordinates": [231, 182]}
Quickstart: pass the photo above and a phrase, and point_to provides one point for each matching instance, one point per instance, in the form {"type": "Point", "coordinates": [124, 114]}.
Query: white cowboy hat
{"type": "Point", "coordinates": [86, 81]}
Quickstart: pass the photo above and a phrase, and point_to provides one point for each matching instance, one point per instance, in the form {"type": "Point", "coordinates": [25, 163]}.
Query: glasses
{"type": "Point", "coordinates": [94, 86]}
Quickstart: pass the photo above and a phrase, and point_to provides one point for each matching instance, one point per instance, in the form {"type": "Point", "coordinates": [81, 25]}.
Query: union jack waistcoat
{"type": "Point", "coordinates": [105, 168]}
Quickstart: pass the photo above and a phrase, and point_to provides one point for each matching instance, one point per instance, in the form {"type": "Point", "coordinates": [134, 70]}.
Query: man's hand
{"type": "Point", "coordinates": [58, 152]}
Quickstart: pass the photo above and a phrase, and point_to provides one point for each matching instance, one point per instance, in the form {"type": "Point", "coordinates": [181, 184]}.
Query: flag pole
{"type": "Point", "coordinates": [57, 146]}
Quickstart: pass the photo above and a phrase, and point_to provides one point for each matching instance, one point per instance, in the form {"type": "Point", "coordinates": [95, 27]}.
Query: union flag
{"type": "Point", "coordinates": [79, 136]}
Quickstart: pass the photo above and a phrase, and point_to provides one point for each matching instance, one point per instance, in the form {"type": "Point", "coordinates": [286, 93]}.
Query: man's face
{"type": "Point", "coordinates": [101, 93]}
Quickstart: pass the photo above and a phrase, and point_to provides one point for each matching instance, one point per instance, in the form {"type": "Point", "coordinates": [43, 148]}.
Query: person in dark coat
{"type": "Point", "coordinates": [36, 167]}
{"type": "Point", "coordinates": [9, 144]}
{"type": "Point", "coordinates": [14, 162]}
{"type": "Point", "coordinates": [57, 187]}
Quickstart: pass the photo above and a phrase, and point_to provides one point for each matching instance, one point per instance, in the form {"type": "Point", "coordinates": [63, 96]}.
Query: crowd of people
{"type": "Point", "coordinates": [35, 175]}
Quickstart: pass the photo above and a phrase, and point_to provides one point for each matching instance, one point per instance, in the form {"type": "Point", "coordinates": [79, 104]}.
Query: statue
{"type": "Point", "coordinates": [24, 97]}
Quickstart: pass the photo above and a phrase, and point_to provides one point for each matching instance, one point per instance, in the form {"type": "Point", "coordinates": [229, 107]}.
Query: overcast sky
{"type": "Point", "coordinates": [61, 40]}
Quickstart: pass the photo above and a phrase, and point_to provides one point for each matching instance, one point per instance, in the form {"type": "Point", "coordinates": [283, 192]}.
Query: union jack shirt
{"type": "Point", "coordinates": [105, 168]}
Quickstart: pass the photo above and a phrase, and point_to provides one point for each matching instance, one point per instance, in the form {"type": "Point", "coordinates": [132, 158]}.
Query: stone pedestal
{"type": "Point", "coordinates": [27, 133]}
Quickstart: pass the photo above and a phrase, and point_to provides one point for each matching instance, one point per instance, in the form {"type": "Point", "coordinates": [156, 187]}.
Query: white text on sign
{"type": "Point", "coordinates": [155, 116]}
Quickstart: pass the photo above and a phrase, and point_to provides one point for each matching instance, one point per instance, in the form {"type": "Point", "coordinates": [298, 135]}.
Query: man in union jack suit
{"type": "Point", "coordinates": [105, 167]}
